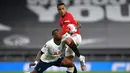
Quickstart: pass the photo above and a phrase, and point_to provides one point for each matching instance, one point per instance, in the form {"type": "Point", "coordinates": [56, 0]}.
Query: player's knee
{"type": "Point", "coordinates": [72, 44]}
{"type": "Point", "coordinates": [67, 62]}
{"type": "Point", "coordinates": [70, 63]}
{"type": "Point", "coordinates": [68, 41]}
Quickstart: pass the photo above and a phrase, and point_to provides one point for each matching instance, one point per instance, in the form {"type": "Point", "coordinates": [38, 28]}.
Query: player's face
{"type": "Point", "coordinates": [58, 35]}
{"type": "Point", "coordinates": [62, 10]}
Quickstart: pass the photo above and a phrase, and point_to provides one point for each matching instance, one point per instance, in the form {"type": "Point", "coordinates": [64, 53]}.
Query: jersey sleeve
{"type": "Point", "coordinates": [73, 21]}
{"type": "Point", "coordinates": [45, 48]}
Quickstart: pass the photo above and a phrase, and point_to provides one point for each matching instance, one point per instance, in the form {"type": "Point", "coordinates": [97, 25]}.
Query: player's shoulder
{"type": "Point", "coordinates": [68, 13]}
{"type": "Point", "coordinates": [49, 42]}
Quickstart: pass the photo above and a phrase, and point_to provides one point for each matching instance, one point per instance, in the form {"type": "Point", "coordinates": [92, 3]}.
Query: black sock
{"type": "Point", "coordinates": [74, 48]}
{"type": "Point", "coordinates": [75, 69]}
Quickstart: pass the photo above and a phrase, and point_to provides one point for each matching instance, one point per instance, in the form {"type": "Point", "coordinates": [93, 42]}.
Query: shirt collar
{"type": "Point", "coordinates": [64, 15]}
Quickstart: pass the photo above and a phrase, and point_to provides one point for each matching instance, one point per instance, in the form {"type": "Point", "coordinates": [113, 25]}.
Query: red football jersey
{"type": "Point", "coordinates": [67, 19]}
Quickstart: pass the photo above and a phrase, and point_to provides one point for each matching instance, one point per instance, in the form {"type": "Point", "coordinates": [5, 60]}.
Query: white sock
{"type": "Point", "coordinates": [70, 69]}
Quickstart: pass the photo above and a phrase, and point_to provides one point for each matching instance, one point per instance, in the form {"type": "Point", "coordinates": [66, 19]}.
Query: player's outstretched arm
{"type": "Point", "coordinates": [38, 56]}
{"type": "Point", "coordinates": [37, 59]}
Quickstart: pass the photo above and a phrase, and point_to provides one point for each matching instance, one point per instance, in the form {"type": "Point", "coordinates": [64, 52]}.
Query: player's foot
{"type": "Point", "coordinates": [82, 62]}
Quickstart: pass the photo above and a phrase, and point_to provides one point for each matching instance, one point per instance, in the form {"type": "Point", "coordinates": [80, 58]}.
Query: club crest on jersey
{"type": "Point", "coordinates": [65, 21]}
{"type": "Point", "coordinates": [59, 48]}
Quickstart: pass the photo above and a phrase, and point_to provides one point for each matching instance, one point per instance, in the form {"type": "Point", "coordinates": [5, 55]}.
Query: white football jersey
{"type": "Point", "coordinates": [49, 49]}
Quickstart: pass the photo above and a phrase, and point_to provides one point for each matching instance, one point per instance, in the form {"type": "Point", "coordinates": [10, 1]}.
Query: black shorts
{"type": "Point", "coordinates": [42, 66]}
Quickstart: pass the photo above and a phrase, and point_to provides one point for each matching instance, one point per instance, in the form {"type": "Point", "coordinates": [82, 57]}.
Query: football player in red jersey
{"type": "Point", "coordinates": [71, 34]}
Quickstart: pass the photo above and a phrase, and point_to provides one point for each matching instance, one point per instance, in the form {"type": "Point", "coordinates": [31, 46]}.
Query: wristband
{"type": "Point", "coordinates": [36, 62]}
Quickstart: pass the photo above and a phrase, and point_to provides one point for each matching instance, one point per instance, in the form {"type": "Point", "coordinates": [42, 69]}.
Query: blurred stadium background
{"type": "Point", "coordinates": [25, 25]}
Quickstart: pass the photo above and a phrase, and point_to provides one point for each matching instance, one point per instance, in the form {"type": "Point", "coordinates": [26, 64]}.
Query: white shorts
{"type": "Point", "coordinates": [77, 40]}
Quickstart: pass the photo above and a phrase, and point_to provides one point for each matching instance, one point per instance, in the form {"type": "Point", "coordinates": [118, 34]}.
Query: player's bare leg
{"type": "Point", "coordinates": [71, 58]}
{"type": "Point", "coordinates": [72, 45]}
{"type": "Point", "coordinates": [69, 64]}
{"type": "Point", "coordinates": [34, 71]}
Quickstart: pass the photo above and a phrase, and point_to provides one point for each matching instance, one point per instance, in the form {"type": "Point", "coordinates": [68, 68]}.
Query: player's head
{"type": "Point", "coordinates": [61, 8]}
{"type": "Point", "coordinates": [56, 33]}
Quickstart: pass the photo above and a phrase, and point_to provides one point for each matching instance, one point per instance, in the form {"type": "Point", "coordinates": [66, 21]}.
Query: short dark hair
{"type": "Point", "coordinates": [54, 31]}
{"type": "Point", "coordinates": [60, 3]}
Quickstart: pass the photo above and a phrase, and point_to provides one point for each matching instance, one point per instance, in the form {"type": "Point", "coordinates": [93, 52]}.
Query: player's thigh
{"type": "Point", "coordinates": [67, 62]}
{"type": "Point", "coordinates": [77, 39]}
{"type": "Point", "coordinates": [41, 67]}
{"type": "Point", "coordinates": [63, 62]}
{"type": "Point", "coordinates": [58, 62]}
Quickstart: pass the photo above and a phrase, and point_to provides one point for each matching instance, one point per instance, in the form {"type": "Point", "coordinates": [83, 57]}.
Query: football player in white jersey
{"type": "Point", "coordinates": [50, 55]}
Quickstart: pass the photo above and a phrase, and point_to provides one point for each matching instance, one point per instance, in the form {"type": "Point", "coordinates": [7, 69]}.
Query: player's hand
{"type": "Point", "coordinates": [32, 64]}
{"type": "Point", "coordinates": [78, 25]}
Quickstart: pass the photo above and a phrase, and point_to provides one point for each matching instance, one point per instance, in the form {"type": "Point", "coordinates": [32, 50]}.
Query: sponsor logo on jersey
{"type": "Point", "coordinates": [65, 21]}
